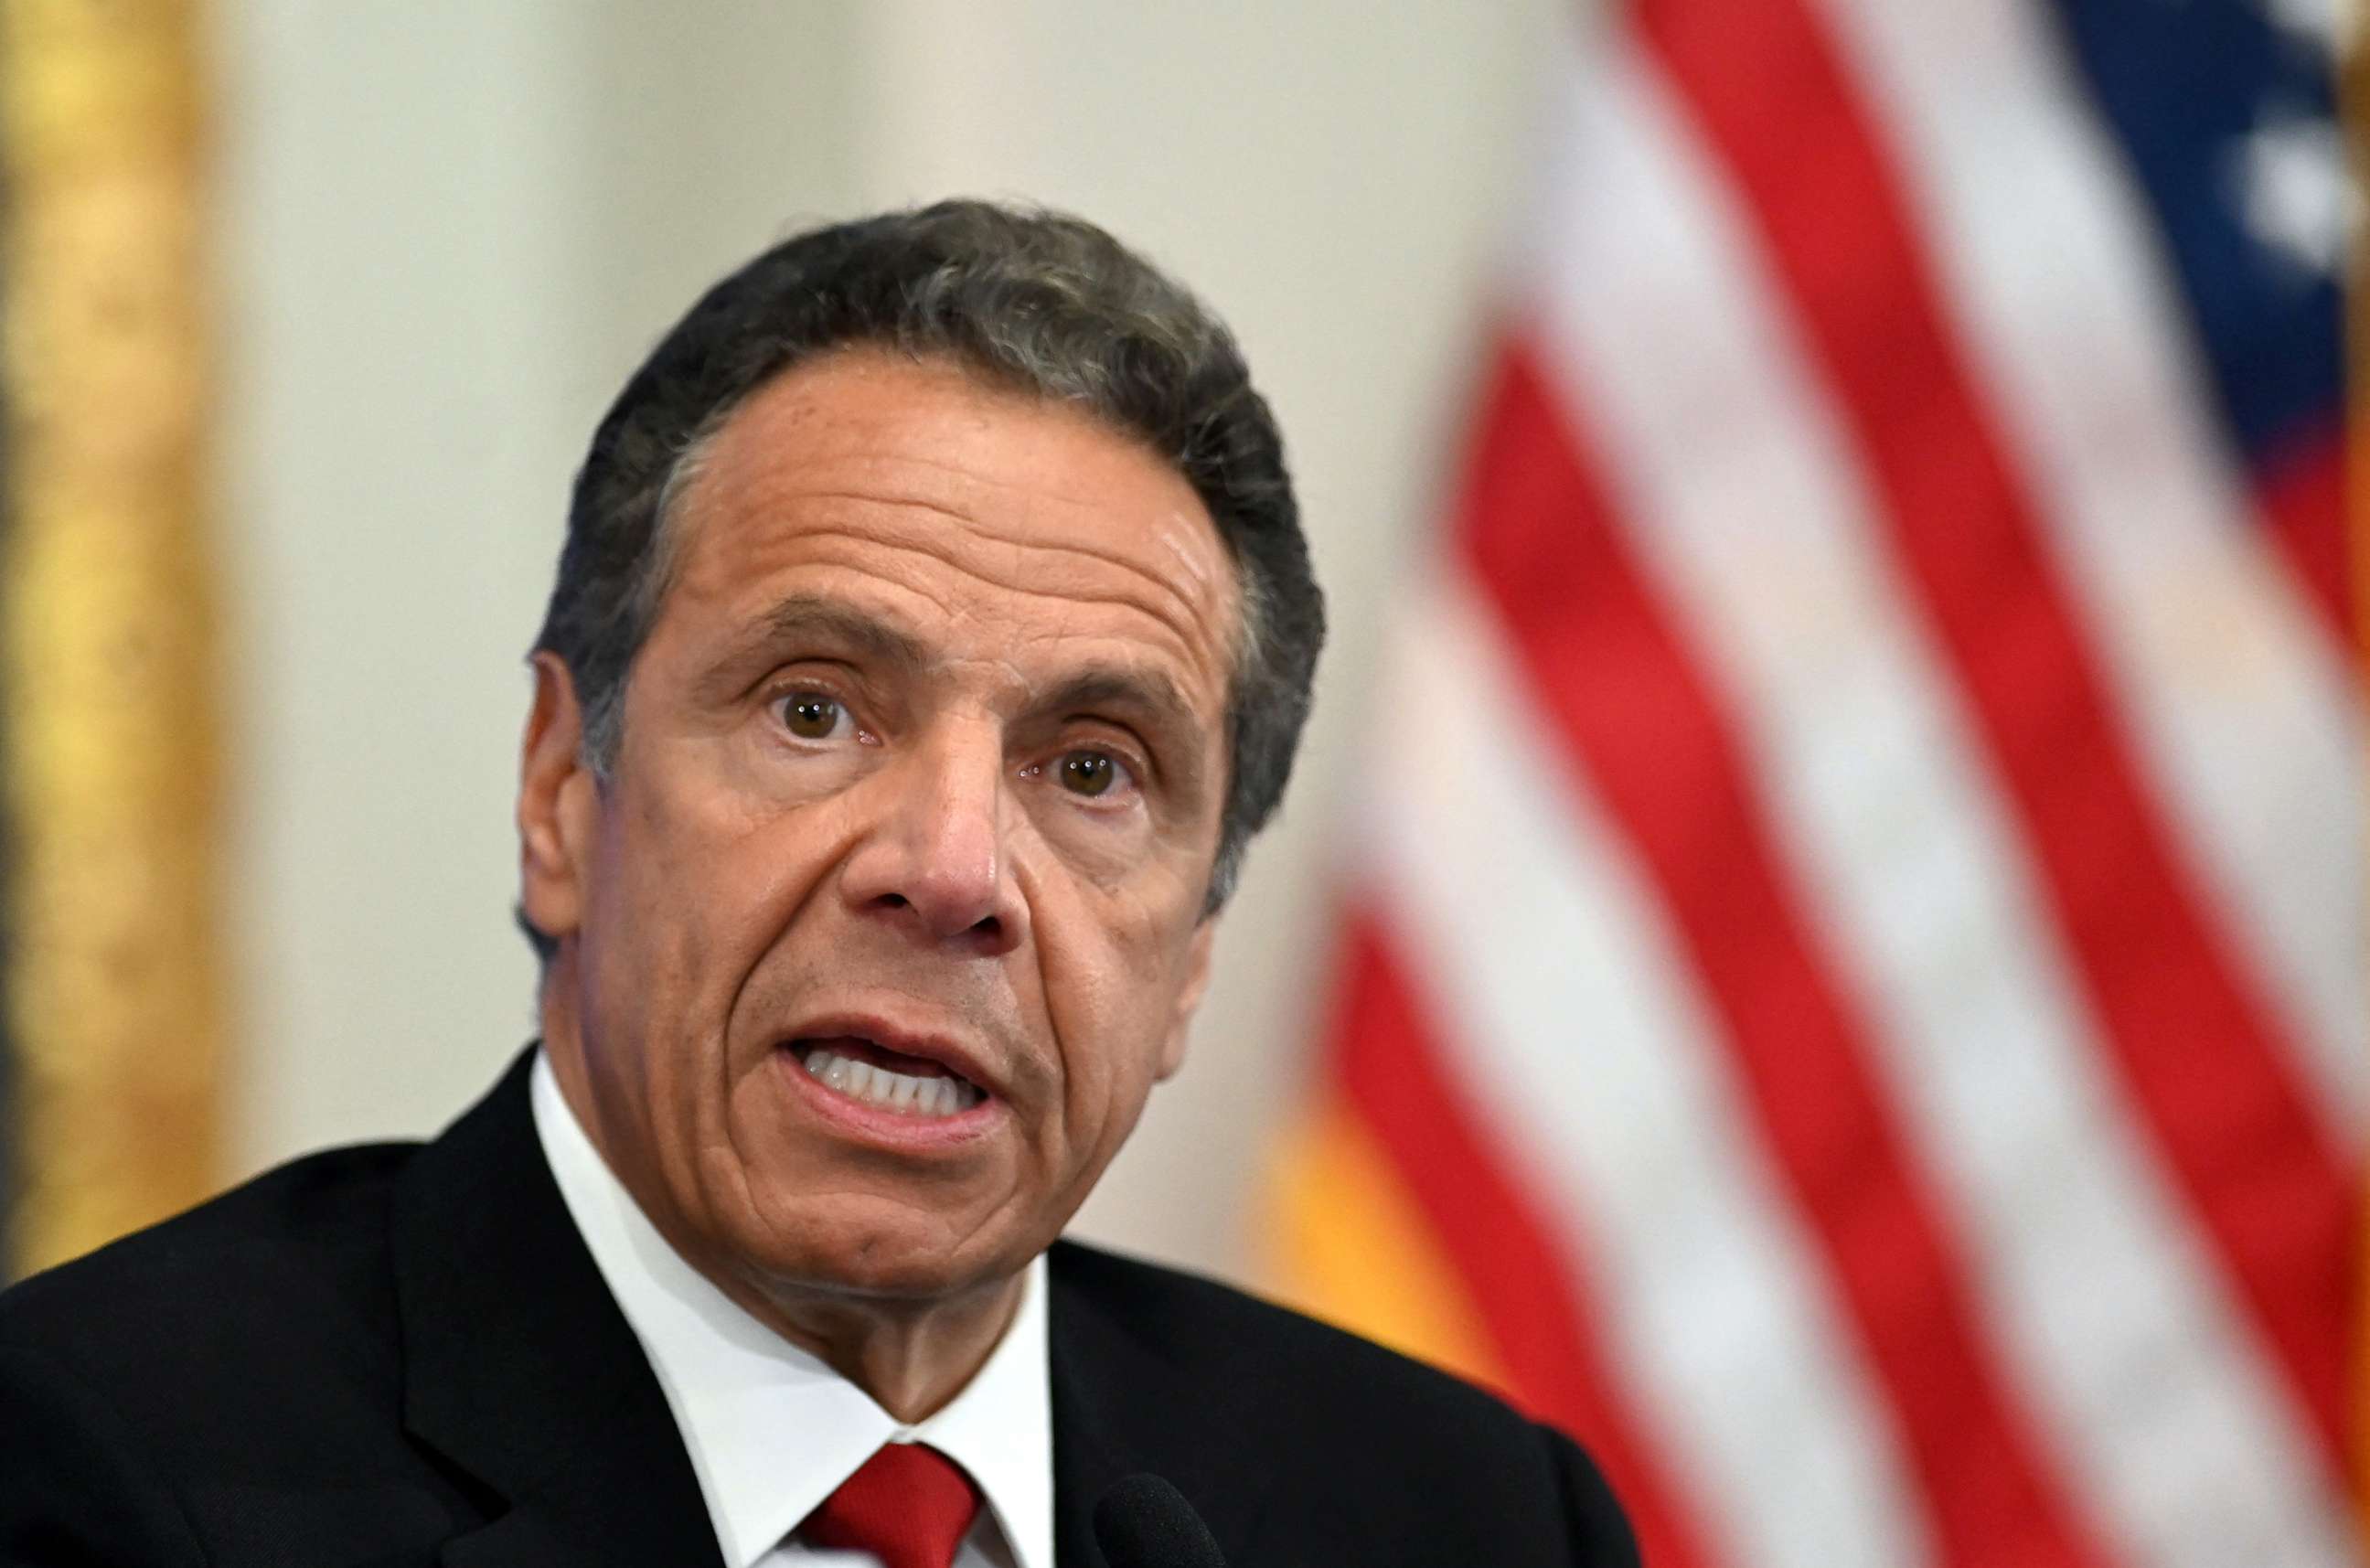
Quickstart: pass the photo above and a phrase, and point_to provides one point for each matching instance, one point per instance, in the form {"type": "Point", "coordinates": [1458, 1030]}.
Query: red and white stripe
{"type": "Point", "coordinates": [2216, 660]}
{"type": "Point", "coordinates": [1926, 1144]}
{"type": "Point", "coordinates": [1621, 1123]}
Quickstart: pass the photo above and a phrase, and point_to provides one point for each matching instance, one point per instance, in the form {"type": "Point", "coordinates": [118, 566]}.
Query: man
{"type": "Point", "coordinates": [934, 630]}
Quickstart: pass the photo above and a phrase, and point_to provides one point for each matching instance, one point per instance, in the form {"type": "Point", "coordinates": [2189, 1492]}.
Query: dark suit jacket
{"type": "Point", "coordinates": [403, 1354]}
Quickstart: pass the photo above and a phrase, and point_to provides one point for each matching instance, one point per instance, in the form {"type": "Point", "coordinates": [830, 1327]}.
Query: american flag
{"type": "Point", "coordinates": [1854, 986]}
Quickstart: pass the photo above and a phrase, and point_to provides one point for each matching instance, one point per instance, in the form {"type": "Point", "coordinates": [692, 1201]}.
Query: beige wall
{"type": "Point", "coordinates": [453, 225]}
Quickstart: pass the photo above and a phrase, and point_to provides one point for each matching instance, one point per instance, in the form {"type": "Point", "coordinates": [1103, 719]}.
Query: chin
{"type": "Point", "coordinates": [878, 1261]}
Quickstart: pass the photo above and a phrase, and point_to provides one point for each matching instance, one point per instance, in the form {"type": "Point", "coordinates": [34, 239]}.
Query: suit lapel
{"type": "Point", "coordinates": [518, 1366]}
{"type": "Point", "coordinates": [1122, 1405]}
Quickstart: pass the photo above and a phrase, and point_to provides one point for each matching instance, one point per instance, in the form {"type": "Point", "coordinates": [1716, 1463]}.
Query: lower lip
{"type": "Point", "coordinates": [876, 1124]}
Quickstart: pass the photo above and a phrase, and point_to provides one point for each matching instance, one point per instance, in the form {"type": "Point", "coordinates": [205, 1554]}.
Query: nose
{"type": "Point", "coordinates": [934, 858]}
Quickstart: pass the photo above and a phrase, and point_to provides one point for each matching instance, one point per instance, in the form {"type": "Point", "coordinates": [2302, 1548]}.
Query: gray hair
{"type": "Point", "coordinates": [1037, 301]}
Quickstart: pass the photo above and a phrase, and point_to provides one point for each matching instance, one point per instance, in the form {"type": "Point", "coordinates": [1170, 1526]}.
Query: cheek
{"type": "Point", "coordinates": [699, 888]}
{"type": "Point", "coordinates": [1112, 971]}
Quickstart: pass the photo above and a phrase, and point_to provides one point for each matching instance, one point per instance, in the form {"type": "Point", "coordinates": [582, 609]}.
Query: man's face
{"type": "Point", "coordinates": [891, 914]}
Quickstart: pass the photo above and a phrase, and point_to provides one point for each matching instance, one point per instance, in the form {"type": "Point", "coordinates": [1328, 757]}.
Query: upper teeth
{"type": "Point", "coordinates": [894, 1091]}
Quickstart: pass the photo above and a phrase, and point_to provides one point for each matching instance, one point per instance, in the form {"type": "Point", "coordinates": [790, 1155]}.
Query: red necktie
{"type": "Point", "coordinates": [908, 1505]}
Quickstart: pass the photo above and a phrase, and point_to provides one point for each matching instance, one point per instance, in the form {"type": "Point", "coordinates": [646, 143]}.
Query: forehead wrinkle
{"type": "Point", "coordinates": [1174, 548]}
{"type": "Point", "coordinates": [954, 478]}
{"type": "Point", "coordinates": [1176, 614]}
{"type": "Point", "coordinates": [971, 412]}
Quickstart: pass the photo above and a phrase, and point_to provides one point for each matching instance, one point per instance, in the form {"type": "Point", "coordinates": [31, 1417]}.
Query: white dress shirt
{"type": "Point", "coordinates": [770, 1429]}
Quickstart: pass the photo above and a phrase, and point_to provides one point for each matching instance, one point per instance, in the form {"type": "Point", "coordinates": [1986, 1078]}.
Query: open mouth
{"type": "Point", "coordinates": [873, 1075]}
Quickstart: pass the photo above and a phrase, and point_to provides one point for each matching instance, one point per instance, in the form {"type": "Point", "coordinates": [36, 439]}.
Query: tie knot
{"type": "Point", "coordinates": [909, 1505]}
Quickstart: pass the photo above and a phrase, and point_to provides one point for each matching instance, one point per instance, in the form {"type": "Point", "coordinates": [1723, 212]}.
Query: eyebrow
{"type": "Point", "coordinates": [1151, 696]}
{"type": "Point", "coordinates": [1154, 697]}
{"type": "Point", "coordinates": [804, 617]}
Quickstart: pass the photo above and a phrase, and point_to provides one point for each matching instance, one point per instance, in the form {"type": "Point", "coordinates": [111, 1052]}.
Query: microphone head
{"type": "Point", "coordinates": [1143, 1522]}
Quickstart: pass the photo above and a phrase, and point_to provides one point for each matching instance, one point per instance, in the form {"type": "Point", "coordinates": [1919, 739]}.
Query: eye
{"type": "Point", "coordinates": [812, 715]}
{"type": "Point", "coordinates": [1089, 772]}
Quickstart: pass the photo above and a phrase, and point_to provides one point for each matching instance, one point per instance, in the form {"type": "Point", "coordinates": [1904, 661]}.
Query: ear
{"type": "Point", "coordinates": [556, 808]}
{"type": "Point", "coordinates": [1188, 997]}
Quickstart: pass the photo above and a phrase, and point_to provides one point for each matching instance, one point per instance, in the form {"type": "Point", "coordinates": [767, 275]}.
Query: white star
{"type": "Point", "coordinates": [2312, 20]}
{"type": "Point", "coordinates": [2292, 188]}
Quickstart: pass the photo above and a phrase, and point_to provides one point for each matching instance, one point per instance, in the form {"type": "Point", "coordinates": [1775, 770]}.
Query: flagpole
{"type": "Point", "coordinates": [108, 642]}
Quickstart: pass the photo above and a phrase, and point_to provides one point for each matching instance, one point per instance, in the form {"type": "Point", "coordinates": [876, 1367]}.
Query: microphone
{"type": "Point", "coordinates": [1143, 1522]}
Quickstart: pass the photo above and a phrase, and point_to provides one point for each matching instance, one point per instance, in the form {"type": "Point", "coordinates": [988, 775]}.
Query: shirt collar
{"type": "Point", "coordinates": [771, 1430]}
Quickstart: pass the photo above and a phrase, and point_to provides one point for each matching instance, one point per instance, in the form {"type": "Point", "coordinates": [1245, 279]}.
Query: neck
{"type": "Point", "coordinates": [912, 1359]}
